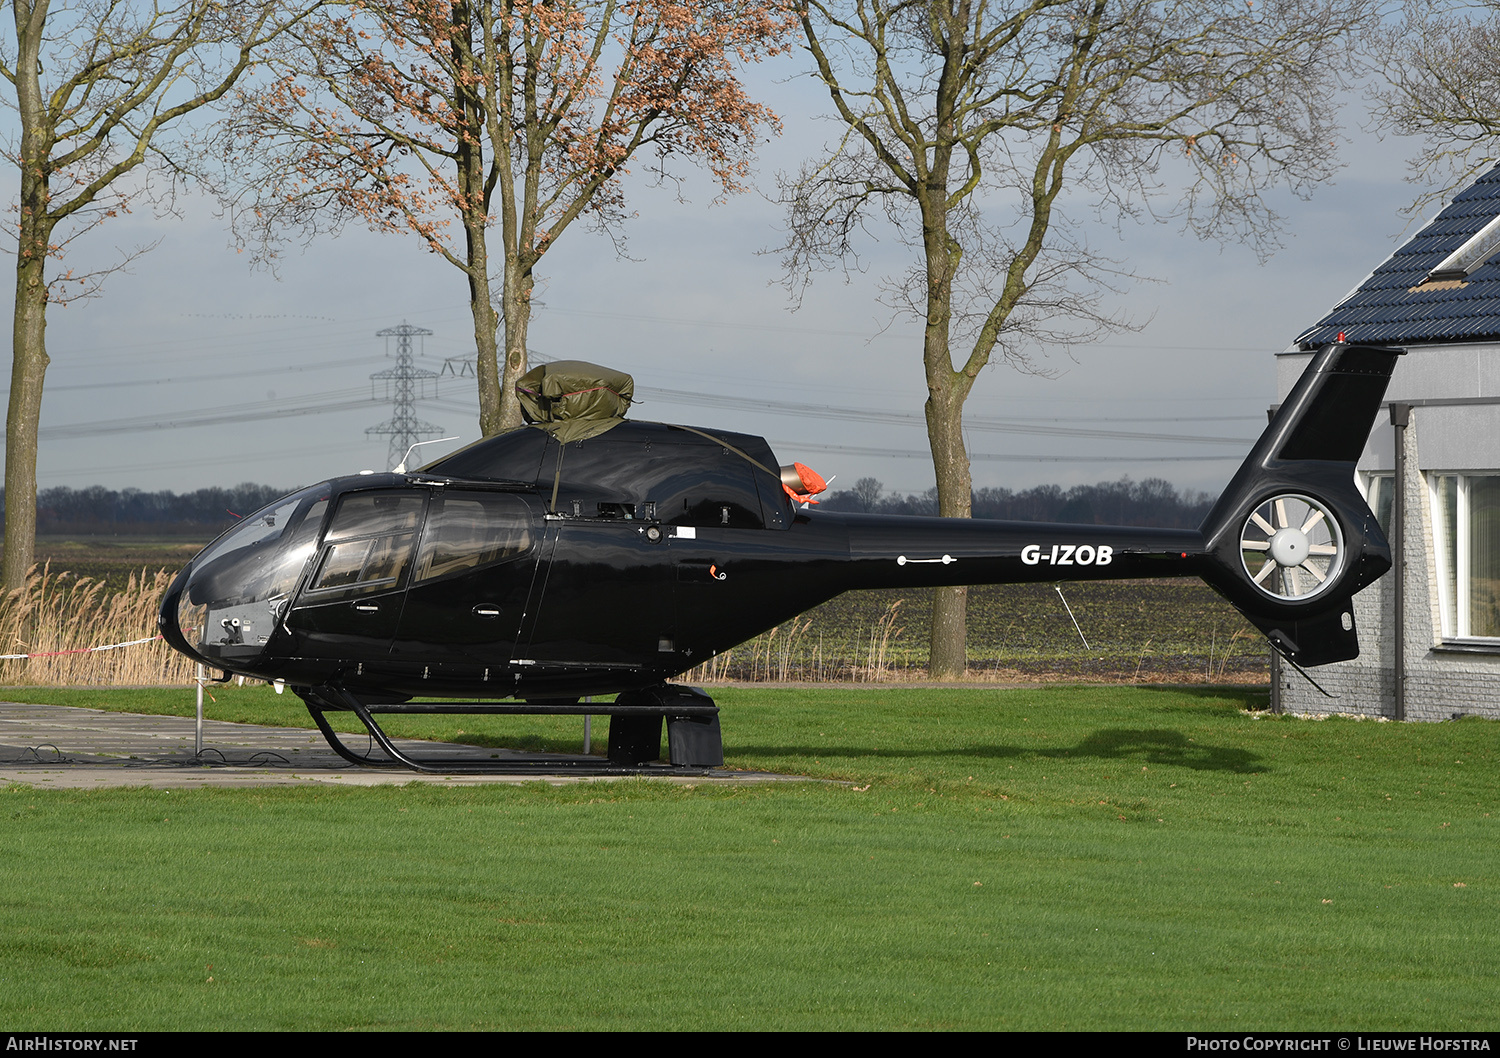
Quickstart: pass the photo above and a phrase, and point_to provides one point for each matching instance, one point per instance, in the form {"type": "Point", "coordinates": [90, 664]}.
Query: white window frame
{"type": "Point", "coordinates": [1365, 481]}
{"type": "Point", "coordinates": [1455, 619]}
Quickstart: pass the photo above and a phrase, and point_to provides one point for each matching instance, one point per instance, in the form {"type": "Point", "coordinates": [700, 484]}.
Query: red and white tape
{"type": "Point", "coordinates": [84, 650]}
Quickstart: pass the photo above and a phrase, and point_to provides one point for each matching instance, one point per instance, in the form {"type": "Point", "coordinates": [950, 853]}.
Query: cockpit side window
{"type": "Point", "coordinates": [371, 562]}
{"type": "Point", "coordinates": [369, 543]}
{"type": "Point", "coordinates": [468, 530]}
{"type": "Point", "coordinates": [376, 514]}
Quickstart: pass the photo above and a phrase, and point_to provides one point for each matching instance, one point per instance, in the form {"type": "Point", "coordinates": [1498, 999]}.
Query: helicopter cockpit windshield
{"type": "Point", "coordinates": [241, 583]}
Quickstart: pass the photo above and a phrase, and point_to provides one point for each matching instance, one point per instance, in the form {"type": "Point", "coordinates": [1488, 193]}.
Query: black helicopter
{"type": "Point", "coordinates": [587, 554]}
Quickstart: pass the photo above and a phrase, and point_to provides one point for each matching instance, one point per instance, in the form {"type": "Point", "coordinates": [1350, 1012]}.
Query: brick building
{"type": "Point", "coordinates": [1431, 471]}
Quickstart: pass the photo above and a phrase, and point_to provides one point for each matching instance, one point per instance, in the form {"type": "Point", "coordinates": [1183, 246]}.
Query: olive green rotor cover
{"type": "Point", "coordinates": [573, 399]}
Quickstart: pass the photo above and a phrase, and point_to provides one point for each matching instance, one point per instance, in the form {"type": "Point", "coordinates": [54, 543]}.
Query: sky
{"type": "Point", "coordinates": [197, 369]}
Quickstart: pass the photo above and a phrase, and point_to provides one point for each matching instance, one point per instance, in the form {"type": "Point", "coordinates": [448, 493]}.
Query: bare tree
{"type": "Point", "coordinates": [868, 491]}
{"type": "Point", "coordinates": [1442, 83]}
{"type": "Point", "coordinates": [97, 86]}
{"type": "Point", "coordinates": [412, 114]}
{"type": "Point", "coordinates": [987, 133]}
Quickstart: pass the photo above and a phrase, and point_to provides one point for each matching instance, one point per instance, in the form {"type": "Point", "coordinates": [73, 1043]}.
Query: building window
{"type": "Point", "coordinates": [1466, 514]}
{"type": "Point", "coordinates": [1379, 495]}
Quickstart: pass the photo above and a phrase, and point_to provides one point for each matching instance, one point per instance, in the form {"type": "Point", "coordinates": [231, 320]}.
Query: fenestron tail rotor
{"type": "Point", "coordinates": [1291, 540]}
{"type": "Point", "coordinates": [1292, 547]}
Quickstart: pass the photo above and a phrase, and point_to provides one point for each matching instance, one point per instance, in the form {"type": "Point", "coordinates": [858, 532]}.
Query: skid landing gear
{"type": "Point", "coordinates": [695, 745]}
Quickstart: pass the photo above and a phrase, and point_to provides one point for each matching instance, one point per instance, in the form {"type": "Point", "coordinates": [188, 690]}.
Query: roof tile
{"type": "Point", "coordinates": [1386, 309]}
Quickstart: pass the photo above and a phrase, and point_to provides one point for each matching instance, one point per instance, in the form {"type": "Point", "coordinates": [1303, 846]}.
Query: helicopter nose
{"type": "Point", "coordinates": [218, 610]}
{"type": "Point", "coordinates": [223, 607]}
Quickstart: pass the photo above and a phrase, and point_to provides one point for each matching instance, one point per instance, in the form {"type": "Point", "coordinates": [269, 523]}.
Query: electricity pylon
{"type": "Point", "coordinates": [401, 385]}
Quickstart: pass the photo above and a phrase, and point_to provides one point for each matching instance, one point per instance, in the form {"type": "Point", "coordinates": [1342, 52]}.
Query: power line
{"type": "Point", "coordinates": [882, 332]}
{"type": "Point", "coordinates": [216, 377]}
{"type": "Point", "coordinates": [219, 460]}
{"type": "Point", "coordinates": [344, 400]}
{"type": "Point", "coordinates": [258, 411]}
{"type": "Point", "coordinates": [1019, 425]}
{"type": "Point", "coordinates": [896, 418]}
{"type": "Point", "coordinates": [988, 457]}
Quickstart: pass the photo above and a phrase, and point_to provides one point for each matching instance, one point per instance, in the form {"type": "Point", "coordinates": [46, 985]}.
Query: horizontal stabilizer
{"type": "Point", "coordinates": [1314, 640]}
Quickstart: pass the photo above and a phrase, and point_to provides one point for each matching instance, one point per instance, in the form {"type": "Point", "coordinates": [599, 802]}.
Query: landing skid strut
{"type": "Point", "coordinates": [692, 721]}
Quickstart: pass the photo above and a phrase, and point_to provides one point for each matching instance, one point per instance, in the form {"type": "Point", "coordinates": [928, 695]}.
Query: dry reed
{"type": "Point", "coordinates": [58, 616]}
{"type": "Point", "coordinates": [796, 651]}
{"type": "Point", "coordinates": [880, 639]}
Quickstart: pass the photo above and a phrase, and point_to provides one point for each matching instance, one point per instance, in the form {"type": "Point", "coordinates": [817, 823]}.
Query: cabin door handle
{"type": "Point", "coordinates": [486, 609]}
{"type": "Point", "coordinates": [367, 607]}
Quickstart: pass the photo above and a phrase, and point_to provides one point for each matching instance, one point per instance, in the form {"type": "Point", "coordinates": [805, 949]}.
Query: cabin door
{"type": "Point", "coordinates": [473, 573]}
{"type": "Point", "coordinates": [352, 603]}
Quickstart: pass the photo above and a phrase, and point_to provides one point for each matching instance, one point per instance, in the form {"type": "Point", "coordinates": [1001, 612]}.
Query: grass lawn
{"type": "Point", "coordinates": [1049, 858]}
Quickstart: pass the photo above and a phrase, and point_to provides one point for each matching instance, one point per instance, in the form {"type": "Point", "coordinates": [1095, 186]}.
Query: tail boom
{"type": "Point", "coordinates": [1288, 543]}
{"type": "Point", "coordinates": [895, 551]}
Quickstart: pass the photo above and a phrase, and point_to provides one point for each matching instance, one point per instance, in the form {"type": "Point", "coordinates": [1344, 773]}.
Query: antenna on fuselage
{"type": "Point", "coordinates": [400, 468]}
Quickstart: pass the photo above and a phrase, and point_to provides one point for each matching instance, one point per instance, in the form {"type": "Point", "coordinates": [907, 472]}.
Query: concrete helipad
{"type": "Point", "coordinates": [68, 748]}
